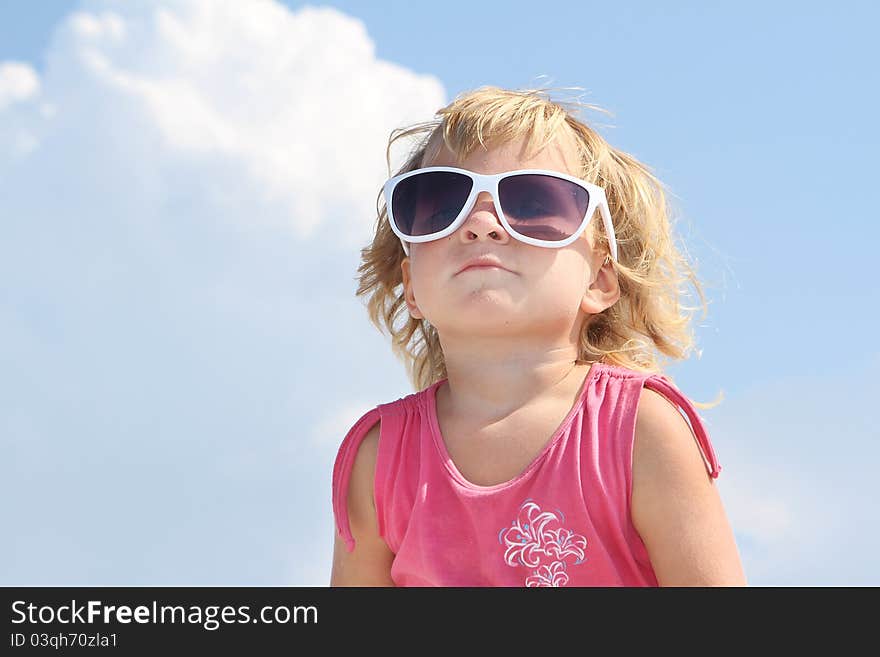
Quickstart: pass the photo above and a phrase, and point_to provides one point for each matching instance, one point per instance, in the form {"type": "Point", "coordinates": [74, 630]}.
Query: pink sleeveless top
{"type": "Point", "coordinates": [564, 521]}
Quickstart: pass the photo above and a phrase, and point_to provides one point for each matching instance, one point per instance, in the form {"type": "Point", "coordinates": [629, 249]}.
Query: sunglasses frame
{"type": "Point", "coordinates": [489, 183]}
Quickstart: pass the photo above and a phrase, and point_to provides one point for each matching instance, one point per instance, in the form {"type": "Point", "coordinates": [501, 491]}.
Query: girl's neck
{"type": "Point", "coordinates": [489, 394]}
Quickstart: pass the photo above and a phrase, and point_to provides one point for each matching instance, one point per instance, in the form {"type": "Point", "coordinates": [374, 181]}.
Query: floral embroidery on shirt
{"type": "Point", "coordinates": [552, 575]}
{"type": "Point", "coordinates": [530, 542]}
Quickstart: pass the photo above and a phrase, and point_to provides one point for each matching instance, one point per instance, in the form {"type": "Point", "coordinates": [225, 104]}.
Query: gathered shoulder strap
{"type": "Point", "coordinates": [664, 386]}
{"type": "Point", "coordinates": [342, 472]}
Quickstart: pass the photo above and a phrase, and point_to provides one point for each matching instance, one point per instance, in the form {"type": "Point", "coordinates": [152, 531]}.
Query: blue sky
{"type": "Point", "coordinates": [181, 349]}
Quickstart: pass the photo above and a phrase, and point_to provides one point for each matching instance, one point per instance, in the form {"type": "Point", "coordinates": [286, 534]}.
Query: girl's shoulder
{"type": "Point", "coordinates": [652, 398]}
{"type": "Point", "coordinates": [356, 468]}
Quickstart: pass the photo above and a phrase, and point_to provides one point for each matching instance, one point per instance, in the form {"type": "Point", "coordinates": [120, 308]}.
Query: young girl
{"type": "Point", "coordinates": [535, 266]}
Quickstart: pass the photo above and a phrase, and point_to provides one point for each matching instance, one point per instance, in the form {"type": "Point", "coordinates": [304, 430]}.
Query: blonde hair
{"type": "Point", "coordinates": [648, 319]}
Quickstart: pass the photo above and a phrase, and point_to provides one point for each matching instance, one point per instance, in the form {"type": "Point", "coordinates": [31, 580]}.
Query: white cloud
{"type": "Point", "coordinates": [183, 193]}
{"type": "Point", "coordinates": [288, 112]}
{"type": "Point", "coordinates": [18, 81]}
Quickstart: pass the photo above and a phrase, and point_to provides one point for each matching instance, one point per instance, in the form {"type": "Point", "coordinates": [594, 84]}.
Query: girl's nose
{"type": "Point", "coordinates": [482, 221]}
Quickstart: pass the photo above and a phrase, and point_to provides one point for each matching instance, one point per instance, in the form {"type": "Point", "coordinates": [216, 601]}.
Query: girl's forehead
{"type": "Point", "coordinates": [559, 154]}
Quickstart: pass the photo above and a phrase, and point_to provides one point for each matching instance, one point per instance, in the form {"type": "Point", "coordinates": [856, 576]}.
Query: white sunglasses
{"type": "Point", "coordinates": [536, 206]}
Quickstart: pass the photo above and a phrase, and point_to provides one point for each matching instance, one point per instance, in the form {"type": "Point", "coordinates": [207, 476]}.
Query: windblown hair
{"type": "Point", "coordinates": [649, 319]}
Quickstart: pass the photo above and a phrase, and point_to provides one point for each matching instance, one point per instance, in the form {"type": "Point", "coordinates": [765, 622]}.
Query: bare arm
{"type": "Point", "coordinates": [369, 564]}
{"type": "Point", "coordinates": [676, 507]}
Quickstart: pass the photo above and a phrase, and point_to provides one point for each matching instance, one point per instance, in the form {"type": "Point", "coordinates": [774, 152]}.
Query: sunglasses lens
{"type": "Point", "coordinates": [429, 202]}
{"type": "Point", "coordinates": [543, 207]}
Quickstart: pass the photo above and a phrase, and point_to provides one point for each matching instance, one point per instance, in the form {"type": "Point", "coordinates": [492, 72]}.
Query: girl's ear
{"type": "Point", "coordinates": [408, 294]}
{"type": "Point", "coordinates": [603, 292]}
